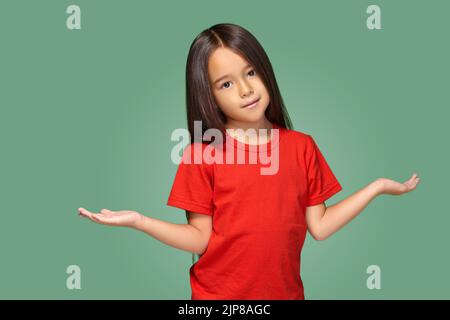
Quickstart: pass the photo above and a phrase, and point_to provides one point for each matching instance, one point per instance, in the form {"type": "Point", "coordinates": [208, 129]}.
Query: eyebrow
{"type": "Point", "coordinates": [227, 75]}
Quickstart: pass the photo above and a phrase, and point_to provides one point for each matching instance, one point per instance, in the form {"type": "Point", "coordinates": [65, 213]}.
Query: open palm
{"type": "Point", "coordinates": [124, 218]}
{"type": "Point", "coordinates": [396, 188]}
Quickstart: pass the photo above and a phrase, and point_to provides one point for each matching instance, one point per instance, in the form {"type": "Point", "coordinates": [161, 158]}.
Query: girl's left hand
{"type": "Point", "coordinates": [395, 188]}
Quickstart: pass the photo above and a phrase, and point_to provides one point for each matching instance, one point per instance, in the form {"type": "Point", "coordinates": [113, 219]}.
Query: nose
{"type": "Point", "coordinates": [245, 90]}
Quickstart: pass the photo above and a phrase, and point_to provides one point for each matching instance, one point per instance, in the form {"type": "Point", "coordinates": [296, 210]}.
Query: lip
{"type": "Point", "coordinates": [251, 103]}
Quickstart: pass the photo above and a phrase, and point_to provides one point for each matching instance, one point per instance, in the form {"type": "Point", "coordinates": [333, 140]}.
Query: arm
{"type": "Point", "coordinates": [323, 222]}
{"type": "Point", "coordinates": [181, 236]}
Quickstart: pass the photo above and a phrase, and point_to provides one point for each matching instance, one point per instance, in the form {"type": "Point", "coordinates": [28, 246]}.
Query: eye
{"type": "Point", "coordinates": [223, 85]}
{"type": "Point", "coordinates": [252, 72]}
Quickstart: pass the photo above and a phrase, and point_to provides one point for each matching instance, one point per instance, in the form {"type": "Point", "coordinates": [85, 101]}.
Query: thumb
{"type": "Point", "coordinates": [105, 211]}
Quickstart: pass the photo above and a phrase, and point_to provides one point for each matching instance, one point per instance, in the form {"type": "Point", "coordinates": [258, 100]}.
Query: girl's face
{"type": "Point", "coordinates": [235, 84]}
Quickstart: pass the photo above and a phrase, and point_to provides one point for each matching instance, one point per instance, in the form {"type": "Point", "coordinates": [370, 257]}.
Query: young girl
{"type": "Point", "coordinates": [248, 227]}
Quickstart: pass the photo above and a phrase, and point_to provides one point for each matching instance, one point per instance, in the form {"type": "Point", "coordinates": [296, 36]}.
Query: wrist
{"type": "Point", "coordinates": [378, 186]}
{"type": "Point", "coordinates": [139, 222]}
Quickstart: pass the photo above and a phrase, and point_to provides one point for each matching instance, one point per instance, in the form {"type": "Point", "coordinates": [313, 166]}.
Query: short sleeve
{"type": "Point", "coordinates": [192, 188]}
{"type": "Point", "coordinates": [322, 183]}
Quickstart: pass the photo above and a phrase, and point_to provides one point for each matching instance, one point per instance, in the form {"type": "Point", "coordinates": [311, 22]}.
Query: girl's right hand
{"type": "Point", "coordinates": [123, 218]}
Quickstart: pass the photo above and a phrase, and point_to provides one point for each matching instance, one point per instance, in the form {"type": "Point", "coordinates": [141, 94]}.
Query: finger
{"type": "Point", "coordinates": [84, 213]}
{"type": "Point", "coordinates": [412, 185]}
{"type": "Point", "coordinates": [105, 211]}
{"type": "Point", "coordinates": [95, 217]}
{"type": "Point", "coordinates": [412, 179]}
{"type": "Point", "coordinates": [99, 218]}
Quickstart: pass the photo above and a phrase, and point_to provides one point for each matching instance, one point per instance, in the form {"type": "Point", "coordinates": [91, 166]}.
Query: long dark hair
{"type": "Point", "coordinates": [200, 103]}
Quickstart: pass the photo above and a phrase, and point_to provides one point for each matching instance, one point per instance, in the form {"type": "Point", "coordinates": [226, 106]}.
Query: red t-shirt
{"type": "Point", "coordinates": [259, 224]}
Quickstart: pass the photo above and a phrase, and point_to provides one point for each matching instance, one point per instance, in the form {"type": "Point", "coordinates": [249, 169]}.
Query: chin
{"type": "Point", "coordinates": [255, 118]}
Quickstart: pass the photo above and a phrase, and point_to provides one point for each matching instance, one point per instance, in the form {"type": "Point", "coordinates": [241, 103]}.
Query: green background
{"type": "Point", "coordinates": [86, 119]}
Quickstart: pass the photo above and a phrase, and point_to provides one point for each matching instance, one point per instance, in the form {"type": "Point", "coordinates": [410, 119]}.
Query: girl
{"type": "Point", "coordinates": [248, 228]}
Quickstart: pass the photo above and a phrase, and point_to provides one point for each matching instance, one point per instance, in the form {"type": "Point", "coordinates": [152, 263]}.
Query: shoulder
{"type": "Point", "coordinates": [302, 142]}
{"type": "Point", "coordinates": [296, 137]}
{"type": "Point", "coordinates": [196, 158]}
{"type": "Point", "coordinates": [193, 153]}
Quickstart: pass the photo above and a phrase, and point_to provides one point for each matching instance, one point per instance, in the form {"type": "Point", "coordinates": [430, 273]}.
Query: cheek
{"type": "Point", "coordinates": [226, 100]}
{"type": "Point", "coordinates": [260, 87]}
{"type": "Point", "coordinates": [263, 92]}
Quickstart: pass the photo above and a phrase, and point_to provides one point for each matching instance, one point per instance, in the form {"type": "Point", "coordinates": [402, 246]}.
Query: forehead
{"type": "Point", "coordinates": [224, 61]}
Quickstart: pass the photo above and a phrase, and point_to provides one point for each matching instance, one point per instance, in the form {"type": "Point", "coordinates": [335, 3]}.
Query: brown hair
{"type": "Point", "coordinates": [200, 102]}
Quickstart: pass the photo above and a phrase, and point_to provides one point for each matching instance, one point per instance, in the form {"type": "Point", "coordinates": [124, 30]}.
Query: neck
{"type": "Point", "coordinates": [249, 138]}
{"type": "Point", "coordinates": [264, 123]}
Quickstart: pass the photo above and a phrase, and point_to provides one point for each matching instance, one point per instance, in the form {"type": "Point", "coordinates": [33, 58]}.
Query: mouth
{"type": "Point", "coordinates": [251, 104]}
